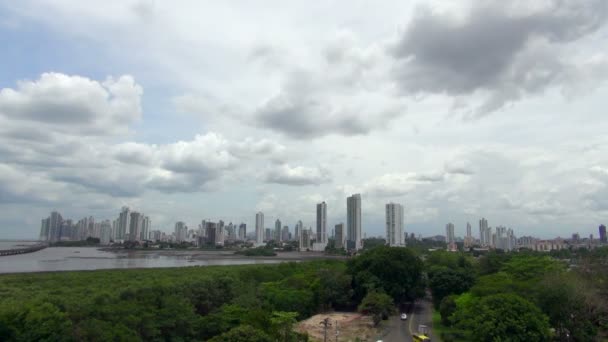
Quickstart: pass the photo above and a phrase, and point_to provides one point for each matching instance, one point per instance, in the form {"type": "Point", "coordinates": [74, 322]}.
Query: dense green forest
{"type": "Point", "coordinates": [504, 297]}
{"type": "Point", "coordinates": [224, 303]}
{"type": "Point", "coordinates": [523, 296]}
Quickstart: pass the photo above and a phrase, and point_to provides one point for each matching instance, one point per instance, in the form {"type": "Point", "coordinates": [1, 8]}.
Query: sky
{"type": "Point", "coordinates": [192, 110]}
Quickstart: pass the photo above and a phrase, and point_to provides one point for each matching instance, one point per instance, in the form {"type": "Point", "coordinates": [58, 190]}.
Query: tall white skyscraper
{"type": "Point", "coordinates": [259, 228]}
{"type": "Point", "coordinates": [322, 223]}
{"type": "Point", "coordinates": [394, 224]}
{"type": "Point", "coordinates": [353, 222]}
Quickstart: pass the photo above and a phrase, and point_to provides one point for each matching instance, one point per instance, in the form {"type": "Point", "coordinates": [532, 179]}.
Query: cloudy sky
{"type": "Point", "coordinates": [190, 110]}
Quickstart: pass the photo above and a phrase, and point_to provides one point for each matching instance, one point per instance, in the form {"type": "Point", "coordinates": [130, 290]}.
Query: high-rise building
{"type": "Point", "coordinates": [181, 231]}
{"type": "Point", "coordinates": [124, 222]}
{"type": "Point", "coordinates": [305, 236]}
{"type": "Point", "coordinates": [321, 223]}
{"type": "Point", "coordinates": [602, 230]}
{"type": "Point", "coordinates": [339, 236]}
{"type": "Point", "coordinates": [394, 224]}
{"type": "Point", "coordinates": [468, 239]}
{"type": "Point", "coordinates": [277, 231]}
{"type": "Point", "coordinates": [268, 234]}
{"type": "Point", "coordinates": [220, 234]}
{"type": "Point", "coordinates": [298, 230]}
{"type": "Point", "coordinates": [145, 229]}
{"type": "Point", "coordinates": [55, 222]}
{"type": "Point", "coordinates": [353, 222]}
{"type": "Point", "coordinates": [106, 232]}
{"type": "Point", "coordinates": [242, 232]}
{"type": "Point", "coordinates": [135, 227]}
{"type": "Point", "coordinates": [259, 228]}
{"type": "Point", "coordinates": [45, 229]}
{"type": "Point", "coordinates": [449, 233]}
{"type": "Point", "coordinates": [485, 233]}
{"type": "Point", "coordinates": [210, 233]}
{"type": "Point", "coordinates": [285, 233]}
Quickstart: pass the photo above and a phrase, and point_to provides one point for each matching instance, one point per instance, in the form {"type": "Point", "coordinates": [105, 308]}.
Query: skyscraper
{"type": "Point", "coordinates": [124, 221]}
{"type": "Point", "coordinates": [259, 228]}
{"type": "Point", "coordinates": [340, 238]}
{"type": "Point", "coordinates": [285, 233]}
{"type": "Point", "coordinates": [298, 230]}
{"type": "Point", "coordinates": [181, 231]}
{"type": "Point", "coordinates": [322, 223]}
{"type": "Point", "coordinates": [468, 240]}
{"type": "Point", "coordinates": [449, 233]}
{"type": "Point", "coordinates": [353, 222]}
{"type": "Point", "coordinates": [602, 233]}
{"type": "Point", "coordinates": [55, 221]}
{"type": "Point", "coordinates": [277, 231]}
{"type": "Point", "coordinates": [394, 224]}
{"type": "Point", "coordinates": [242, 232]}
{"type": "Point", "coordinates": [136, 223]}
{"type": "Point", "coordinates": [145, 229]}
{"type": "Point", "coordinates": [484, 233]}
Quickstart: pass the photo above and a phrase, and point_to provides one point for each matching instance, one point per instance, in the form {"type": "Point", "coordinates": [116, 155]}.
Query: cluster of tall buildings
{"type": "Point", "coordinates": [347, 236]}
{"type": "Point", "coordinates": [55, 228]}
{"type": "Point", "coordinates": [501, 238]}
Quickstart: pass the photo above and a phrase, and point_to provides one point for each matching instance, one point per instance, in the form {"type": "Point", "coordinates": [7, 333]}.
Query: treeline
{"type": "Point", "coordinates": [226, 303]}
{"type": "Point", "coordinates": [522, 296]}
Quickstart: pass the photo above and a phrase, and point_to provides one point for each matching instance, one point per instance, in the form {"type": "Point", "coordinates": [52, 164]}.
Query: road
{"type": "Point", "coordinates": [420, 312]}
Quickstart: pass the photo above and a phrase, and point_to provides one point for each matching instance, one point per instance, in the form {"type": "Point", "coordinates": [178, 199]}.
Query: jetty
{"type": "Point", "coordinates": [28, 249]}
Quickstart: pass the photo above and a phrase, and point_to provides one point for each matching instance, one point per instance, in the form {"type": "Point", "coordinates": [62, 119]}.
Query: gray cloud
{"type": "Point", "coordinates": [503, 50]}
{"type": "Point", "coordinates": [73, 104]}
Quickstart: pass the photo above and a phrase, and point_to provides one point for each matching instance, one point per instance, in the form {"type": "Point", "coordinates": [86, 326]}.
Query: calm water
{"type": "Point", "coordinates": [90, 258]}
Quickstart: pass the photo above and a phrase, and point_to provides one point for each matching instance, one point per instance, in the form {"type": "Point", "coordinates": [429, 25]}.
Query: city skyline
{"type": "Point", "coordinates": [253, 118]}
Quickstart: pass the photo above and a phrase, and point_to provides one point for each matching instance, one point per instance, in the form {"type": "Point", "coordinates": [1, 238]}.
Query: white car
{"type": "Point", "coordinates": [403, 317]}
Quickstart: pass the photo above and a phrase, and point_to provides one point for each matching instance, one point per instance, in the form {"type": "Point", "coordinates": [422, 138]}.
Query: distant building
{"type": "Point", "coordinates": [485, 233]}
{"type": "Point", "coordinates": [211, 235]}
{"type": "Point", "coordinates": [321, 223]}
{"type": "Point", "coordinates": [394, 224]}
{"type": "Point", "coordinates": [353, 222]}
{"type": "Point", "coordinates": [602, 230]}
{"type": "Point", "coordinates": [305, 236]}
{"type": "Point", "coordinates": [339, 236]}
{"type": "Point", "coordinates": [277, 231]}
{"type": "Point", "coordinates": [468, 239]}
{"type": "Point", "coordinates": [135, 226]}
{"type": "Point", "coordinates": [242, 232]}
{"type": "Point", "coordinates": [105, 232]}
{"type": "Point", "coordinates": [298, 230]}
{"type": "Point", "coordinates": [124, 222]}
{"type": "Point", "coordinates": [549, 245]}
{"type": "Point", "coordinates": [259, 228]}
{"type": "Point", "coordinates": [268, 234]}
{"type": "Point", "coordinates": [285, 233]}
{"type": "Point", "coordinates": [450, 239]}
{"type": "Point", "coordinates": [181, 231]}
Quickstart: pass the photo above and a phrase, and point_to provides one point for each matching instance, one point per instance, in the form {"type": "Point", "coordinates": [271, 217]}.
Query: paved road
{"type": "Point", "coordinates": [418, 313]}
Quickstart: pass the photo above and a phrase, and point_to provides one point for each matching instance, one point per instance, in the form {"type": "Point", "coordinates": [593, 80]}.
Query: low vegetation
{"type": "Point", "coordinates": [227, 303]}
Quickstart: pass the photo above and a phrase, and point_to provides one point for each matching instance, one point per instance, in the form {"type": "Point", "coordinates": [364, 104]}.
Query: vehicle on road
{"type": "Point", "coordinates": [403, 317]}
{"type": "Point", "coordinates": [421, 338]}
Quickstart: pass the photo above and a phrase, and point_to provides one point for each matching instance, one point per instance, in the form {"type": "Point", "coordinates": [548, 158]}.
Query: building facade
{"type": "Point", "coordinates": [394, 224]}
{"type": "Point", "coordinates": [321, 223]}
{"type": "Point", "coordinates": [259, 228]}
{"type": "Point", "coordinates": [353, 222]}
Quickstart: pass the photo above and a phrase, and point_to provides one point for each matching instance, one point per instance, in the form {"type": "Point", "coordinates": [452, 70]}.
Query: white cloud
{"type": "Point", "coordinates": [299, 175]}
